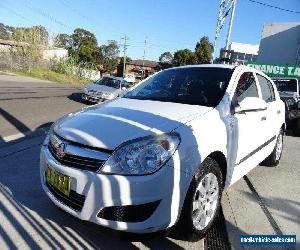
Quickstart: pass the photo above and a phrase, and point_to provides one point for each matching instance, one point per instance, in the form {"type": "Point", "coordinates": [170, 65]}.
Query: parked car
{"type": "Point", "coordinates": [289, 91]}
{"type": "Point", "coordinates": [106, 88]}
{"type": "Point", "coordinates": [160, 156]}
{"type": "Point", "coordinates": [130, 78]}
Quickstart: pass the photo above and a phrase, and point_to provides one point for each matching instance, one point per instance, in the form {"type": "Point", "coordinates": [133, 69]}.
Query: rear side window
{"type": "Point", "coordinates": [246, 87]}
{"type": "Point", "coordinates": [267, 89]}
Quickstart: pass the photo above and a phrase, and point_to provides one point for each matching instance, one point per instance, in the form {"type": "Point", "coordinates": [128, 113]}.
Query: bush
{"type": "Point", "coordinates": [71, 66]}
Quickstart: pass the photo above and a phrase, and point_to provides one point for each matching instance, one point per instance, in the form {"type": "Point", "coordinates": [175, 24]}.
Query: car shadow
{"type": "Point", "coordinates": [76, 97]}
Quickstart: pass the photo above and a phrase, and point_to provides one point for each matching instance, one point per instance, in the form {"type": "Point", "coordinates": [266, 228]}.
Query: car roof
{"type": "Point", "coordinates": [115, 77]}
{"type": "Point", "coordinates": [228, 66]}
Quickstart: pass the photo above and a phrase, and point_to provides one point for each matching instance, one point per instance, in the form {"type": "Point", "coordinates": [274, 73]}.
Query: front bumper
{"type": "Point", "coordinates": [93, 99]}
{"type": "Point", "coordinates": [166, 188]}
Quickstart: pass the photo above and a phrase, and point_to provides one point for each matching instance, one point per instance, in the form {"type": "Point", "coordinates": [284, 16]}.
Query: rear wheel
{"type": "Point", "coordinates": [202, 201]}
{"type": "Point", "coordinates": [273, 159]}
{"type": "Point", "coordinates": [296, 127]}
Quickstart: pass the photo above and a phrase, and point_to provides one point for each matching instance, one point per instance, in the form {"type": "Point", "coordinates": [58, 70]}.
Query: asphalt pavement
{"type": "Point", "coordinates": [266, 201]}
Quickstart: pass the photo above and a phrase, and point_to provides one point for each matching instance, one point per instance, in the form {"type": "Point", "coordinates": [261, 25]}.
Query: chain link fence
{"type": "Point", "coordinates": [13, 62]}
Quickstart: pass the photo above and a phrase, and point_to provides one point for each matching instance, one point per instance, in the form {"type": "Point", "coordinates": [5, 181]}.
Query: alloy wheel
{"type": "Point", "coordinates": [205, 201]}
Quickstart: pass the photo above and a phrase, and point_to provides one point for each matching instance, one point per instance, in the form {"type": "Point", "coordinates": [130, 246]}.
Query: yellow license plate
{"type": "Point", "coordinates": [58, 181]}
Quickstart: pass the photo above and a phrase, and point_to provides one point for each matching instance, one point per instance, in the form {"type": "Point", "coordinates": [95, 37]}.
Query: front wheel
{"type": "Point", "coordinates": [202, 201]}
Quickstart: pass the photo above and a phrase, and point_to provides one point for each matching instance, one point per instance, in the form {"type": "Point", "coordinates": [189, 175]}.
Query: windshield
{"type": "Point", "coordinates": [194, 85]}
{"type": "Point", "coordinates": [110, 82]}
{"type": "Point", "coordinates": [289, 85]}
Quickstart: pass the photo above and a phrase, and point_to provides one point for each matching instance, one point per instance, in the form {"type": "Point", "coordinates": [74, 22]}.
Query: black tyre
{"type": "Point", "coordinates": [202, 202]}
{"type": "Point", "coordinates": [296, 127]}
{"type": "Point", "coordinates": [273, 159]}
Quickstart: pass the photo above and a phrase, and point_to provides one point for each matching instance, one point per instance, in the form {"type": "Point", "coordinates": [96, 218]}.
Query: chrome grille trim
{"type": "Point", "coordinates": [77, 156]}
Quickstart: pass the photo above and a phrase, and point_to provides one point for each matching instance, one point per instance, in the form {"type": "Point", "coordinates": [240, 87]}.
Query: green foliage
{"type": "Point", "coordinates": [83, 45]}
{"type": "Point", "coordinates": [106, 58]}
{"type": "Point", "coordinates": [62, 41]}
{"type": "Point", "coordinates": [70, 66]}
{"type": "Point", "coordinates": [184, 57]}
{"type": "Point", "coordinates": [83, 48]}
{"type": "Point", "coordinates": [49, 75]}
{"type": "Point", "coordinates": [203, 50]}
{"type": "Point", "coordinates": [121, 59]}
{"type": "Point", "coordinates": [165, 60]}
{"type": "Point", "coordinates": [35, 35]}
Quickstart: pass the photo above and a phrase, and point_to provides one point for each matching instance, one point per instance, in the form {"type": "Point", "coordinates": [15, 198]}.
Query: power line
{"type": "Point", "coordinates": [275, 7]}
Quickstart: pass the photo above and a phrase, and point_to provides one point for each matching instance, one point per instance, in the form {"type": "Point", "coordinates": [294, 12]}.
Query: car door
{"type": "Point", "coordinates": [272, 113]}
{"type": "Point", "coordinates": [247, 129]}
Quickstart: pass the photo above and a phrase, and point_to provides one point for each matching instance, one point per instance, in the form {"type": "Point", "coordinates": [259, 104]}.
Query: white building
{"type": "Point", "coordinates": [47, 52]}
{"type": "Point", "coordinates": [244, 52]}
{"type": "Point", "coordinates": [280, 44]}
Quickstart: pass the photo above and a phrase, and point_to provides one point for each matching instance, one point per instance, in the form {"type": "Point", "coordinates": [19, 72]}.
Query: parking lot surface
{"type": "Point", "coordinates": [266, 201]}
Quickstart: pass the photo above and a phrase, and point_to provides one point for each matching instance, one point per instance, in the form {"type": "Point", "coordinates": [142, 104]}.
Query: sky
{"type": "Point", "coordinates": [167, 25]}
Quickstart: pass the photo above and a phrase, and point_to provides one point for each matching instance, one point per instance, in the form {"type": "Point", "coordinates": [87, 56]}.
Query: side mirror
{"type": "Point", "coordinates": [250, 104]}
{"type": "Point", "coordinates": [124, 88]}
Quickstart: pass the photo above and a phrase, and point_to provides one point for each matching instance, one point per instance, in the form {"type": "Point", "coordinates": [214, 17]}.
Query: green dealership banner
{"type": "Point", "coordinates": [277, 69]}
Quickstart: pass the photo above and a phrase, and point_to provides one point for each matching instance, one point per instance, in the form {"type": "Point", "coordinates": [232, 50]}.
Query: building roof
{"type": "Point", "coordinates": [147, 63]}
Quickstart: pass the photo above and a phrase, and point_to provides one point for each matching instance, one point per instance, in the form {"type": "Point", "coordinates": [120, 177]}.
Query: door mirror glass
{"type": "Point", "coordinates": [250, 104]}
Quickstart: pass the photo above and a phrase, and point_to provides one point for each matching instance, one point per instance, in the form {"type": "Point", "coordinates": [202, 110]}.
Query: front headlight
{"type": "Point", "coordinates": [142, 156]}
{"type": "Point", "coordinates": [49, 133]}
{"type": "Point", "coordinates": [290, 102]}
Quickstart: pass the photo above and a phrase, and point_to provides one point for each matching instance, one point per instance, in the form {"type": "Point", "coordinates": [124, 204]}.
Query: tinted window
{"type": "Point", "coordinates": [195, 85]}
{"type": "Point", "coordinates": [266, 87]}
{"type": "Point", "coordinates": [110, 82]}
{"type": "Point", "coordinates": [125, 84]}
{"type": "Point", "coordinates": [289, 85]}
{"type": "Point", "coordinates": [246, 87]}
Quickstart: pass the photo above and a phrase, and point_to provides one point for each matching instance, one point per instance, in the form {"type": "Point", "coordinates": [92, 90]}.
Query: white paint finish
{"type": "Point", "coordinates": [203, 130]}
{"type": "Point", "coordinates": [110, 124]}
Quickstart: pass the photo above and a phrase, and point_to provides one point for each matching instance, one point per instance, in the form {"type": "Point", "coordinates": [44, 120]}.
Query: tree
{"type": "Point", "coordinates": [165, 60]}
{"type": "Point", "coordinates": [106, 58]}
{"type": "Point", "coordinates": [63, 41]}
{"type": "Point", "coordinates": [184, 57]}
{"type": "Point", "coordinates": [121, 59]}
{"type": "Point", "coordinates": [83, 45]}
{"type": "Point", "coordinates": [204, 50]}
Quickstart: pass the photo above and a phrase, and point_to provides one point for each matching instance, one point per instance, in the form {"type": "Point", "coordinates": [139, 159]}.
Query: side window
{"type": "Point", "coordinates": [266, 87]}
{"type": "Point", "coordinates": [246, 87]}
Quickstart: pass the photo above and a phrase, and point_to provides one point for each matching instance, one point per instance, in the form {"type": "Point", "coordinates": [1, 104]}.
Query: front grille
{"type": "Point", "coordinates": [76, 161]}
{"type": "Point", "coordinates": [74, 201]}
{"type": "Point", "coordinates": [130, 213]}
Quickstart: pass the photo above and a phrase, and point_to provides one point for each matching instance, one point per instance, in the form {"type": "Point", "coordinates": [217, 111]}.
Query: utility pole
{"type": "Point", "coordinates": [230, 24]}
{"type": "Point", "coordinates": [143, 66]}
{"type": "Point", "coordinates": [124, 50]}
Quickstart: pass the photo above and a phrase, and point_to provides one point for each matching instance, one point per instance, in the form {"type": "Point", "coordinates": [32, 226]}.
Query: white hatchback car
{"type": "Point", "coordinates": [162, 154]}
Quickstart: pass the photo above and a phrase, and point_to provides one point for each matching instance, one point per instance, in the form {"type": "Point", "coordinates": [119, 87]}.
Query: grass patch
{"type": "Point", "coordinates": [49, 75]}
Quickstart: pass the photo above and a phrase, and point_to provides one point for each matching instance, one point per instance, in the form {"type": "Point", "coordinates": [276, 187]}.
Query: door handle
{"type": "Point", "coordinates": [278, 111]}
{"type": "Point", "coordinates": [263, 118]}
